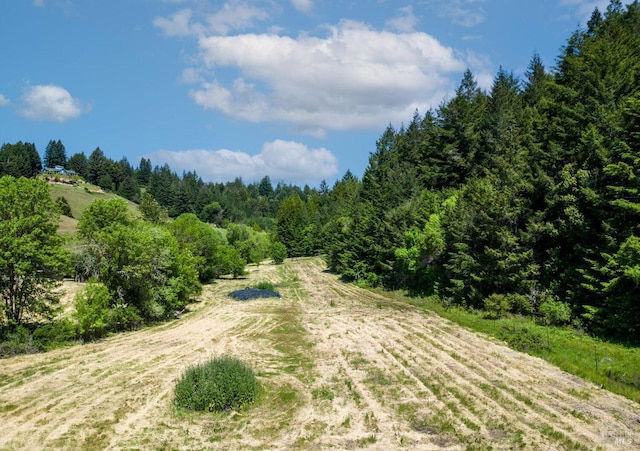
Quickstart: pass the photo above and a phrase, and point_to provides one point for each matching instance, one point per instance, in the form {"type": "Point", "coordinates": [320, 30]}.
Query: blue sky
{"type": "Point", "coordinates": [298, 90]}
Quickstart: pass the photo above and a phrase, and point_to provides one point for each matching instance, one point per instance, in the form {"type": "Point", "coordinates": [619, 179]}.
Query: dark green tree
{"type": "Point", "coordinates": [78, 162]}
{"type": "Point", "coordinates": [143, 173]}
{"type": "Point", "coordinates": [19, 160]}
{"type": "Point", "coordinates": [290, 225]}
{"type": "Point", "coordinates": [98, 167]}
{"type": "Point", "coordinates": [55, 154]}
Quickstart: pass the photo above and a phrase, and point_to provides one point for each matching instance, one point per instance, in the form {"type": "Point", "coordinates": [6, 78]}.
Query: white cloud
{"type": "Point", "coordinates": [177, 25]}
{"type": "Point", "coordinates": [191, 75]}
{"type": "Point", "coordinates": [3, 100]}
{"type": "Point", "coordinates": [304, 6]}
{"type": "Point", "coordinates": [405, 21]}
{"type": "Point", "coordinates": [280, 160]}
{"type": "Point", "coordinates": [38, 3]}
{"type": "Point", "coordinates": [234, 15]}
{"type": "Point", "coordinates": [584, 8]}
{"type": "Point", "coordinates": [466, 13]}
{"type": "Point", "coordinates": [49, 103]}
{"type": "Point", "coordinates": [355, 77]}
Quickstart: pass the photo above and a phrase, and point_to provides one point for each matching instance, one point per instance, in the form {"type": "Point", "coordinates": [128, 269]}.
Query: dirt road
{"type": "Point", "coordinates": [341, 368]}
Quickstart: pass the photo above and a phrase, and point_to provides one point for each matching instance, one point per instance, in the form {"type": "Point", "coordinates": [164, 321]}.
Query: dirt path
{"type": "Point", "coordinates": [342, 368]}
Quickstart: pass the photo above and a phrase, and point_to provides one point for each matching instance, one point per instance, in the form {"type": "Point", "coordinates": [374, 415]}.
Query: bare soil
{"type": "Point", "coordinates": [341, 368]}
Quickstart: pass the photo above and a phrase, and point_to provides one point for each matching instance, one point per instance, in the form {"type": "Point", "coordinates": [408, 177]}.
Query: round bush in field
{"type": "Point", "coordinates": [221, 384]}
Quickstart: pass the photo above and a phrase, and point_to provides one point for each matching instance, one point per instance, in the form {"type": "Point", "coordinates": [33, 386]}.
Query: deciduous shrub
{"type": "Point", "coordinates": [496, 306]}
{"type": "Point", "coordinates": [221, 384]}
{"type": "Point", "coordinates": [92, 314]}
{"type": "Point", "coordinates": [554, 312]}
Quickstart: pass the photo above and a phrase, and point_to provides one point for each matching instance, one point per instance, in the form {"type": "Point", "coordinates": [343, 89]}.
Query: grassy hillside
{"type": "Point", "coordinates": [80, 197]}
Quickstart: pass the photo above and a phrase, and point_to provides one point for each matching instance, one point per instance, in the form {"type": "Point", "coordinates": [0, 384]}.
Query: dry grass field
{"type": "Point", "coordinates": [340, 367]}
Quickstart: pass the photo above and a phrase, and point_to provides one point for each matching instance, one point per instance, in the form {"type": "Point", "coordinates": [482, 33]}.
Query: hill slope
{"type": "Point", "coordinates": [80, 197]}
{"type": "Point", "coordinates": [342, 368]}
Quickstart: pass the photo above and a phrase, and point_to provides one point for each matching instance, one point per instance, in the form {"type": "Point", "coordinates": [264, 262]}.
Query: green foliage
{"type": "Point", "coordinates": [55, 154]}
{"type": "Point", "coordinates": [31, 256]}
{"type": "Point", "coordinates": [546, 187]}
{"type": "Point", "coordinates": [55, 334]}
{"type": "Point", "coordinates": [148, 274]}
{"type": "Point", "coordinates": [103, 215]}
{"type": "Point", "coordinates": [19, 160]}
{"type": "Point", "coordinates": [144, 267]}
{"type": "Point", "coordinates": [97, 167]}
{"type": "Point", "coordinates": [290, 225]}
{"type": "Point", "coordinates": [152, 211]}
{"type": "Point", "coordinates": [63, 206]}
{"type": "Point", "coordinates": [265, 285]}
{"type": "Point", "coordinates": [524, 338]}
{"type": "Point", "coordinates": [221, 384]}
{"type": "Point", "coordinates": [554, 312]}
{"type": "Point", "coordinates": [18, 340]}
{"type": "Point", "coordinates": [78, 162]}
{"type": "Point", "coordinates": [206, 243]}
{"type": "Point", "coordinates": [278, 252]}
{"type": "Point", "coordinates": [92, 313]}
{"type": "Point", "coordinates": [496, 306]}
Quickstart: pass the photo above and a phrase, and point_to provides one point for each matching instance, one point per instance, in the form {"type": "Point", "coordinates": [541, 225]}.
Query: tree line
{"type": "Point", "coordinates": [522, 199]}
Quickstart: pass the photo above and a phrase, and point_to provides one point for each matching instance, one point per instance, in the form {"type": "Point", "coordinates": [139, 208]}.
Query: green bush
{"type": "Point", "coordinates": [92, 313]}
{"type": "Point", "coordinates": [278, 252]}
{"type": "Point", "coordinates": [496, 306]}
{"type": "Point", "coordinates": [554, 312]}
{"type": "Point", "coordinates": [524, 339]}
{"type": "Point", "coordinates": [17, 341]}
{"type": "Point", "coordinates": [265, 285]}
{"type": "Point", "coordinates": [221, 384]}
{"type": "Point", "coordinates": [51, 335]}
{"type": "Point", "coordinates": [63, 206]}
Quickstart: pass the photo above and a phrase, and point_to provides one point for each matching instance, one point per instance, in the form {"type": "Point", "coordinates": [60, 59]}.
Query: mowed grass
{"type": "Point", "coordinates": [82, 195]}
{"type": "Point", "coordinates": [79, 198]}
{"type": "Point", "coordinates": [614, 367]}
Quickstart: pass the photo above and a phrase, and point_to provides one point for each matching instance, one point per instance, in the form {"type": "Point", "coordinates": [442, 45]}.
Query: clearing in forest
{"type": "Point", "coordinates": [341, 368]}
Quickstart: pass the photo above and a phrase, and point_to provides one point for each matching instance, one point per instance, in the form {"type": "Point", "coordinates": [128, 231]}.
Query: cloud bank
{"type": "Point", "coordinates": [280, 160]}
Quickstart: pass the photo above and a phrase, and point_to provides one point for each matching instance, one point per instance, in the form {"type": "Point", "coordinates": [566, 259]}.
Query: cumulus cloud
{"type": "Point", "coordinates": [279, 159]}
{"type": "Point", "coordinates": [3, 100]}
{"type": "Point", "coordinates": [404, 21]}
{"type": "Point", "coordinates": [304, 6]}
{"type": "Point", "coordinates": [49, 103]}
{"type": "Point", "coordinates": [354, 77]}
